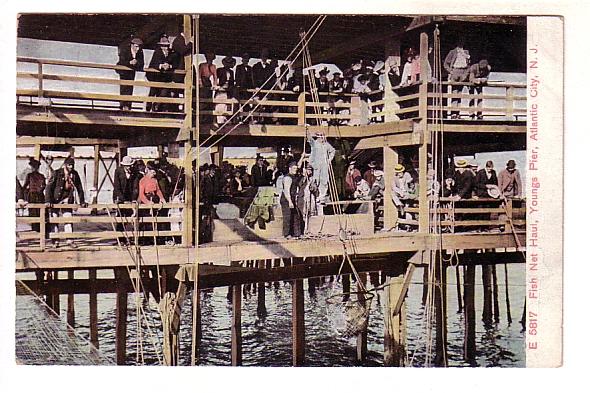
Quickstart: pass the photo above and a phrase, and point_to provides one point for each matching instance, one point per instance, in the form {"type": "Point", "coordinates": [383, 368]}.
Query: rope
{"type": "Point", "coordinates": [316, 25]}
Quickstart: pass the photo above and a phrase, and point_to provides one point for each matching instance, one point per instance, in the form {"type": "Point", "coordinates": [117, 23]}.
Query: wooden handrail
{"type": "Point", "coordinates": [83, 64]}
{"type": "Point", "coordinates": [98, 96]}
{"type": "Point", "coordinates": [106, 81]}
{"type": "Point", "coordinates": [167, 205]}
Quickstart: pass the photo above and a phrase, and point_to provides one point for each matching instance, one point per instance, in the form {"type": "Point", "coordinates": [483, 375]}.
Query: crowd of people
{"type": "Point", "coordinates": [234, 82]}
{"type": "Point", "coordinates": [156, 181]}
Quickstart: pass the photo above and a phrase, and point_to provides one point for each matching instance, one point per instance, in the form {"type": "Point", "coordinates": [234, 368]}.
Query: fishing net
{"type": "Point", "coordinates": [349, 313]}
{"type": "Point", "coordinates": [42, 338]}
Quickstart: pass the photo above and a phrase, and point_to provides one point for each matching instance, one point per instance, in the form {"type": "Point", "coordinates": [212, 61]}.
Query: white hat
{"type": "Point", "coordinates": [127, 161]}
{"type": "Point", "coordinates": [378, 66]}
{"type": "Point", "coordinates": [494, 192]}
{"type": "Point", "coordinates": [378, 173]}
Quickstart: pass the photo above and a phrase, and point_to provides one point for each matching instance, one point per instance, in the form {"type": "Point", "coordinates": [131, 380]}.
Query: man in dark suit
{"type": "Point", "coordinates": [259, 173]}
{"type": "Point", "coordinates": [181, 47]}
{"type": "Point", "coordinates": [163, 61]}
{"type": "Point", "coordinates": [61, 188]}
{"type": "Point", "coordinates": [131, 56]}
{"type": "Point", "coordinates": [125, 190]}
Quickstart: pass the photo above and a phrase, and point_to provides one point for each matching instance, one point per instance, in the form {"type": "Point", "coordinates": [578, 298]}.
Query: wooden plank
{"type": "Point", "coordinates": [97, 96]}
{"type": "Point", "coordinates": [104, 81]}
{"type": "Point", "coordinates": [108, 234]}
{"type": "Point", "coordinates": [103, 219]}
{"type": "Point", "coordinates": [394, 353]}
{"type": "Point", "coordinates": [23, 140]}
{"type": "Point", "coordinates": [84, 64]}
{"type": "Point", "coordinates": [378, 142]}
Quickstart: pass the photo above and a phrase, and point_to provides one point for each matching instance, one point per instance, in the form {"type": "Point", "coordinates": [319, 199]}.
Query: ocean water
{"type": "Point", "coordinates": [267, 339]}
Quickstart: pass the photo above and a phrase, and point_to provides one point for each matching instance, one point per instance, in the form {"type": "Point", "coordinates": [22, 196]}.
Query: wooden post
{"type": "Point", "coordinates": [71, 314]}
{"type": "Point", "coordinates": [261, 307]}
{"type": "Point", "coordinates": [395, 329]}
{"type": "Point", "coordinates": [54, 294]}
{"type": "Point", "coordinates": [486, 278]}
{"type": "Point", "coordinates": [361, 338]}
{"type": "Point", "coordinates": [121, 321]}
{"type": "Point", "coordinates": [440, 304]}
{"type": "Point", "coordinates": [495, 294]}
{"type": "Point", "coordinates": [423, 148]}
{"type": "Point", "coordinates": [301, 109]}
{"type": "Point", "coordinates": [42, 227]}
{"type": "Point", "coordinates": [509, 103]}
{"type": "Point", "coordinates": [425, 282]}
{"type": "Point", "coordinates": [392, 51]}
{"type": "Point", "coordinates": [190, 194]}
{"type": "Point", "coordinates": [93, 307]}
{"type": "Point", "coordinates": [469, 317]}
{"type": "Point", "coordinates": [509, 210]}
{"type": "Point", "coordinates": [458, 285]}
{"type": "Point", "coordinates": [298, 319]}
{"type": "Point", "coordinates": [236, 326]}
{"type": "Point", "coordinates": [40, 79]}
{"type": "Point", "coordinates": [197, 331]}
{"type": "Point", "coordinates": [346, 286]}
{"type": "Point", "coordinates": [96, 172]}
{"type": "Point", "coordinates": [390, 216]}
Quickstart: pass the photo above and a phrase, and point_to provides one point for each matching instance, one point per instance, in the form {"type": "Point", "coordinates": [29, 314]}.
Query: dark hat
{"type": "Point", "coordinates": [308, 166]}
{"type": "Point", "coordinates": [483, 63]}
{"type": "Point", "coordinates": [228, 61]}
{"type": "Point", "coordinates": [336, 74]}
{"type": "Point", "coordinates": [137, 41]}
{"type": "Point", "coordinates": [245, 55]}
{"type": "Point", "coordinates": [164, 41]}
{"type": "Point", "coordinates": [363, 78]}
{"type": "Point", "coordinates": [34, 163]}
{"type": "Point", "coordinates": [292, 163]}
{"type": "Point", "coordinates": [511, 164]}
{"type": "Point", "coordinates": [357, 179]}
{"type": "Point", "coordinates": [151, 165]}
{"type": "Point", "coordinates": [69, 160]}
{"type": "Point", "coordinates": [324, 71]}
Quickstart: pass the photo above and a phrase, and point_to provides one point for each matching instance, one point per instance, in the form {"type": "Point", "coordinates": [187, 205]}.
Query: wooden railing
{"type": "Point", "coordinates": [264, 106]}
{"type": "Point", "coordinates": [87, 98]}
{"type": "Point", "coordinates": [97, 224]}
{"type": "Point", "coordinates": [465, 100]}
{"type": "Point", "coordinates": [466, 214]}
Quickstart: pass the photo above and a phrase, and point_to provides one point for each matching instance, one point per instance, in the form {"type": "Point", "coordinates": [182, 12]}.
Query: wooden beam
{"type": "Point", "coordinates": [478, 127]}
{"type": "Point", "coordinates": [22, 140]}
{"type": "Point", "coordinates": [30, 260]}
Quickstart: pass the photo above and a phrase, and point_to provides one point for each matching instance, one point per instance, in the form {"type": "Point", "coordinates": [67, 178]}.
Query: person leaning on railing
{"type": "Point", "coordinates": [163, 61]}
{"type": "Point", "coordinates": [61, 189]}
{"type": "Point", "coordinates": [131, 56]}
{"type": "Point", "coordinates": [457, 65]}
{"type": "Point", "coordinates": [33, 190]}
{"type": "Point", "coordinates": [478, 76]}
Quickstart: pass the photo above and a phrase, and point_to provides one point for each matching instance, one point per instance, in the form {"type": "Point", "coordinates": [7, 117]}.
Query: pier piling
{"type": "Point", "coordinates": [93, 307]}
{"type": "Point", "coordinates": [469, 314]}
{"type": "Point", "coordinates": [440, 302]}
{"type": "Point", "coordinates": [486, 278]}
{"type": "Point", "coordinates": [298, 320]}
{"type": "Point", "coordinates": [71, 314]}
{"type": "Point", "coordinates": [121, 321]}
{"type": "Point", "coordinates": [236, 326]}
{"type": "Point", "coordinates": [361, 338]}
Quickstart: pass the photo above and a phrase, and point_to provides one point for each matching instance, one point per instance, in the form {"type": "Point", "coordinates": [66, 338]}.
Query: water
{"type": "Point", "coordinates": [267, 341]}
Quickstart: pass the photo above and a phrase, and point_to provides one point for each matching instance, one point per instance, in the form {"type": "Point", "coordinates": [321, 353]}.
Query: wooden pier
{"type": "Point", "coordinates": [487, 232]}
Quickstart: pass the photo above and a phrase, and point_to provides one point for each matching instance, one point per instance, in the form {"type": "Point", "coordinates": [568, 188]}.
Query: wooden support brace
{"type": "Point", "coordinates": [394, 353]}
{"type": "Point", "coordinates": [71, 313]}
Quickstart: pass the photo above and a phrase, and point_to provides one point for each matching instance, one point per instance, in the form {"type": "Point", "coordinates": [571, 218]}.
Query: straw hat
{"type": "Point", "coordinates": [494, 192]}
{"type": "Point", "coordinates": [127, 161]}
{"type": "Point", "coordinates": [399, 168]}
{"type": "Point", "coordinates": [461, 163]}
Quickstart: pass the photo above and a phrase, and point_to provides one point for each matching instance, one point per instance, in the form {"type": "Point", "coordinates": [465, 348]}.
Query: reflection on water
{"type": "Point", "coordinates": [267, 341]}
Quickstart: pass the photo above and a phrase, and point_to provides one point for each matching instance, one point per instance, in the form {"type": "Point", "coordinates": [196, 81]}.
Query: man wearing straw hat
{"type": "Point", "coordinates": [130, 56]}
{"type": "Point", "coordinates": [464, 180]}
